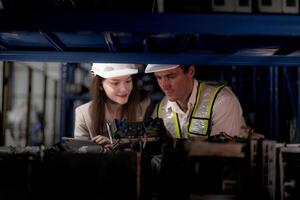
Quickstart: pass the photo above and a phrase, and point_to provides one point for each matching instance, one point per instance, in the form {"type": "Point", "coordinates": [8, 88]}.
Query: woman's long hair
{"type": "Point", "coordinates": [97, 108]}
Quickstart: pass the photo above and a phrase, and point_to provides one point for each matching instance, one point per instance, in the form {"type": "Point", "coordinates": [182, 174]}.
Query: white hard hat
{"type": "Point", "coordinates": [110, 70]}
{"type": "Point", "coordinates": [159, 67]}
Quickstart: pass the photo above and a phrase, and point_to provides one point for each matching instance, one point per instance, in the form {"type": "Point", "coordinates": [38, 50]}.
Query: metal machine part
{"type": "Point", "coordinates": [151, 128]}
{"type": "Point", "coordinates": [135, 135]}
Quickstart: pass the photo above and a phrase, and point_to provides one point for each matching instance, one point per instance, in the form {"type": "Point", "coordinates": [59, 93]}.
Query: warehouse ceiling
{"type": "Point", "coordinates": [145, 37]}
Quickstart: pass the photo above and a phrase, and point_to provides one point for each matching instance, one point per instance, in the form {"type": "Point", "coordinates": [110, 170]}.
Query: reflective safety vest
{"type": "Point", "coordinates": [200, 119]}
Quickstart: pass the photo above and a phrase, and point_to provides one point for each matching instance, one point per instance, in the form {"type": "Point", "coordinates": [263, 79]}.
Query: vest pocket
{"type": "Point", "coordinates": [198, 126]}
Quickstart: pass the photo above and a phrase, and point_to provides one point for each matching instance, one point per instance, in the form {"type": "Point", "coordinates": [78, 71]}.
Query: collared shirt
{"type": "Point", "coordinates": [227, 113]}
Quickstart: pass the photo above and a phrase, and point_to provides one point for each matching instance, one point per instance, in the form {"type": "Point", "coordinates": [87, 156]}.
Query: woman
{"type": "Point", "coordinates": [114, 96]}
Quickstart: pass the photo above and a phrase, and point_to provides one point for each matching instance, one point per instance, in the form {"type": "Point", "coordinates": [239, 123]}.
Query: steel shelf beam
{"type": "Point", "coordinates": [163, 58]}
{"type": "Point", "coordinates": [212, 24]}
{"type": "Point", "coordinates": [53, 40]}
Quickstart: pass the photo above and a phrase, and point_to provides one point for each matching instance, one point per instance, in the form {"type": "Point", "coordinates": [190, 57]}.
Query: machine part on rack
{"type": "Point", "coordinates": [289, 162]}
{"type": "Point", "coordinates": [269, 167]}
{"type": "Point", "coordinates": [151, 128]}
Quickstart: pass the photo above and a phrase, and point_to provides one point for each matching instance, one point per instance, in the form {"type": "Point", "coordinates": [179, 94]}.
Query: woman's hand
{"type": "Point", "coordinates": [103, 141]}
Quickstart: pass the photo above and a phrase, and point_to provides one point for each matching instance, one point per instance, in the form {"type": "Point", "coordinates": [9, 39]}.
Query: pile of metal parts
{"type": "Point", "coordinates": [223, 169]}
{"type": "Point", "coordinates": [276, 167]}
{"type": "Point", "coordinates": [135, 135]}
{"type": "Point", "coordinates": [37, 173]}
{"type": "Point", "coordinates": [124, 136]}
{"type": "Point", "coordinates": [150, 128]}
{"type": "Point", "coordinates": [204, 170]}
{"type": "Point", "coordinates": [262, 169]}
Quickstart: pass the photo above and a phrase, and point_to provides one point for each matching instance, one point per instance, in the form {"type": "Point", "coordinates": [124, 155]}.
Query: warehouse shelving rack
{"type": "Point", "coordinates": [215, 39]}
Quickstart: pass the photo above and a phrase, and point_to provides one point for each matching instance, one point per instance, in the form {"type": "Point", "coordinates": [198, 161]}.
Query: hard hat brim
{"type": "Point", "coordinates": [151, 68]}
{"type": "Point", "coordinates": [115, 73]}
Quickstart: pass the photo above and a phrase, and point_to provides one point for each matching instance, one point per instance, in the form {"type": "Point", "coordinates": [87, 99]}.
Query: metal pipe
{"type": "Point", "coordinates": [5, 93]}
{"type": "Point", "coordinates": [254, 91]}
{"type": "Point", "coordinates": [276, 104]}
{"type": "Point", "coordinates": [291, 88]}
{"type": "Point", "coordinates": [55, 112]}
{"type": "Point", "coordinates": [64, 69]}
{"type": "Point", "coordinates": [298, 113]}
{"type": "Point", "coordinates": [271, 89]}
{"type": "Point", "coordinates": [44, 108]}
{"type": "Point", "coordinates": [28, 125]}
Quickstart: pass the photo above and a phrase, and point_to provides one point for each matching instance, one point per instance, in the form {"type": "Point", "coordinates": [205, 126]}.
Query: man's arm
{"type": "Point", "coordinates": [227, 114]}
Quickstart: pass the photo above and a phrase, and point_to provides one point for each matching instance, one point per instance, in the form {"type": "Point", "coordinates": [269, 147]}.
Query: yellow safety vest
{"type": "Point", "coordinates": [200, 119]}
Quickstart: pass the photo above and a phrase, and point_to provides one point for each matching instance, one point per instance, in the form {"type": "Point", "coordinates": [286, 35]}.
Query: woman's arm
{"type": "Point", "coordinates": [80, 130]}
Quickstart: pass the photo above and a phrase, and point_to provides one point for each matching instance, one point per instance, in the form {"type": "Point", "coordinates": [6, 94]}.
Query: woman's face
{"type": "Point", "coordinates": [118, 89]}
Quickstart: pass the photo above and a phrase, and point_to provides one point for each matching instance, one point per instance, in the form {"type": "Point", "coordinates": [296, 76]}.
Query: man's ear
{"type": "Point", "coordinates": [192, 71]}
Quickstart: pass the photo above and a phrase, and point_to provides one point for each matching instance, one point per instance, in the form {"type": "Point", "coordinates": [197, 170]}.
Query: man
{"type": "Point", "coordinates": [193, 108]}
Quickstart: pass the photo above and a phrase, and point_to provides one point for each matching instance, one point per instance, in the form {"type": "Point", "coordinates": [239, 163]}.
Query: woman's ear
{"type": "Point", "coordinates": [100, 85]}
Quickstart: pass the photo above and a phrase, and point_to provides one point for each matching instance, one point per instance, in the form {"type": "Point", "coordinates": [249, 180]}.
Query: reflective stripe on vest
{"type": "Point", "coordinates": [200, 119]}
{"type": "Point", "coordinates": [177, 125]}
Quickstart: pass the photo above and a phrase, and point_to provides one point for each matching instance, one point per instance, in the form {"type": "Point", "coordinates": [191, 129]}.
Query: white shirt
{"type": "Point", "coordinates": [227, 113]}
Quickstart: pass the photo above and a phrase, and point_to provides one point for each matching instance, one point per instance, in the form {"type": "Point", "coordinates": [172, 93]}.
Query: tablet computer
{"type": "Point", "coordinates": [75, 144]}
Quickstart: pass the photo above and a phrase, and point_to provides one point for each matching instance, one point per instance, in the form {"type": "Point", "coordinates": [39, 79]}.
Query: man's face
{"type": "Point", "coordinates": [176, 83]}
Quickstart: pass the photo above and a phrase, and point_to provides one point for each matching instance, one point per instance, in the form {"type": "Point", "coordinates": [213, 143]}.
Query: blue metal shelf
{"type": "Point", "coordinates": [167, 58]}
{"type": "Point", "coordinates": [209, 39]}
{"type": "Point", "coordinates": [201, 39]}
{"type": "Point", "coordinates": [212, 24]}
